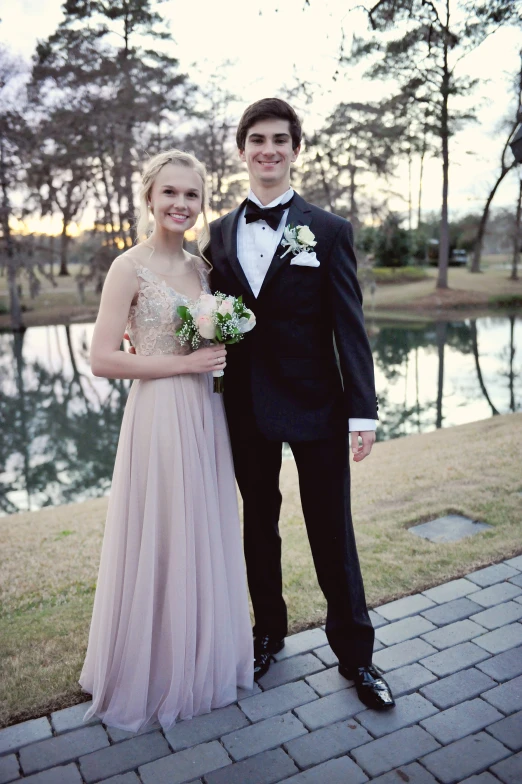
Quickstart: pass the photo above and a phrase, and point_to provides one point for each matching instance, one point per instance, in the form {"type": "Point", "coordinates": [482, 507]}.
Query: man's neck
{"type": "Point", "coordinates": [267, 194]}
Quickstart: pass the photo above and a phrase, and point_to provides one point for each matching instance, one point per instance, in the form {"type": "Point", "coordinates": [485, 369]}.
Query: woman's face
{"type": "Point", "coordinates": [176, 198]}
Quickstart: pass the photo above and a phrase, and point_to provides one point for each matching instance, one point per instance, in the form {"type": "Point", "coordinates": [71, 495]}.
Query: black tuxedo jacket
{"type": "Point", "coordinates": [283, 378]}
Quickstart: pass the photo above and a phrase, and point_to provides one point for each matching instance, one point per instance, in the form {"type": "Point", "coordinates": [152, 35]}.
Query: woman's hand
{"type": "Point", "coordinates": [205, 360]}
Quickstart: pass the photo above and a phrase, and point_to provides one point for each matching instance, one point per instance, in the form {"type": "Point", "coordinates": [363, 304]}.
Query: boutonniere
{"type": "Point", "coordinates": [300, 241]}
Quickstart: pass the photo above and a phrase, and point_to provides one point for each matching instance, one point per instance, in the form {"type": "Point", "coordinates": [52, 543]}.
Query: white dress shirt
{"type": "Point", "coordinates": [256, 246]}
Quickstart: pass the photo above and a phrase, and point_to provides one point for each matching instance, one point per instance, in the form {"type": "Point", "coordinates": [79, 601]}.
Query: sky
{"type": "Point", "coordinates": [270, 40]}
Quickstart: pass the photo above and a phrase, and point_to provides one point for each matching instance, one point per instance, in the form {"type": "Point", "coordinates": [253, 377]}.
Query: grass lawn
{"type": "Point", "coordinates": [50, 557]}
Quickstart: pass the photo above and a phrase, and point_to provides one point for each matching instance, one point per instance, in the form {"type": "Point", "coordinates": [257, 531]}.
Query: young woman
{"type": "Point", "coordinates": [170, 635]}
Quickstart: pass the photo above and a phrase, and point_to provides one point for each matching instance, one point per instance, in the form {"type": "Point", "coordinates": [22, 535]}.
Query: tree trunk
{"type": "Point", "coordinates": [517, 235]}
{"type": "Point", "coordinates": [511, 374]}
{"type": "Point", "coordinates": [441, 329]}
{"type": "Point", "coordinates": [410, 205]}
{"type": "Point", "coordinates": [15, 307]}
{"type": "Point", "coordinates": [64, 243]}
{"type": "Point", "coordinates": [421, 173]}
{"type": "Point", "coordinates": [474, 343]}
{"type": "Point", "coordinates": [442, 279]}
{"type": "Point", "coordinates": [477, 250]}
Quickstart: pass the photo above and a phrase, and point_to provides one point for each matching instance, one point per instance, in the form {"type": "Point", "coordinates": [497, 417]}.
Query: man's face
{"type": "Point", "coordinates": [268, 152]}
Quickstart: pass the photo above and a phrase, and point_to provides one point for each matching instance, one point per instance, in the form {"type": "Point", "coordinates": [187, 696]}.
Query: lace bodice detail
{"type": "Point", "coordinates": [154, 319]}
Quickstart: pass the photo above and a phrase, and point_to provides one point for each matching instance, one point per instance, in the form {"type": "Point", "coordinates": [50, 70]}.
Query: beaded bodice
{"type": "Point", "coordinates": [154, 319]}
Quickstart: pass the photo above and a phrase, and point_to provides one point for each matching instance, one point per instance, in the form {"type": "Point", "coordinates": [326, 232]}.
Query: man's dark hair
{"type": "Point", "coordinates": [269, 109]}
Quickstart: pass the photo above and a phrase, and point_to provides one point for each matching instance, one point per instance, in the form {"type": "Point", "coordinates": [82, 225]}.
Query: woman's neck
{"type": "Point", "coordinates": [168, 247]}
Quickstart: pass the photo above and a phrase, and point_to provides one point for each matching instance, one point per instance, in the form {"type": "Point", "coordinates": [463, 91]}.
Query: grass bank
{"type": "Point", "coordinates": [50, 557]}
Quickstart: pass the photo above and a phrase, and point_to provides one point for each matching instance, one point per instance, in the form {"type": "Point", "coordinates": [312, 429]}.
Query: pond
{"type": "Point", "coordinates": [60, 424]}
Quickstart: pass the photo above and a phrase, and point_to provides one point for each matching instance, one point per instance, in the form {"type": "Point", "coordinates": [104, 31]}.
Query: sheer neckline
{"type": "Point", "coordinates": [165, 285]}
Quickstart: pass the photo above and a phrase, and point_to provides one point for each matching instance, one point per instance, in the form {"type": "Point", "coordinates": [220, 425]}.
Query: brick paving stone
{"type": "Point", "coordinates": [67, 774]}
{"type": "Point", "coordinates": [72, 718]}
{"type": "Point", "coordinates": [328, 681]}
{"type": "Point", "coordinates": [457, 688]}
{"type": "Point", "coordinates": [414, 774]}
{"type": "Point", "coordinates": [337, 771]}
{"type": "Point", "coordinates": [453, 634]}
{"type": "Point", "coordinates": [500, 615]}
{"type": "Point", "coordinates": [504, 666]}
{"type": "Point", "coordinates": [456, 610]}
{"type": "Point", "coordinates": [403, 653]}
{"type": "Point", "coordinates": [391, 751]}
{"type": "Point", "coordinates": [408, 710]}
{"type": "Point", "coordinates": [496, 594]}
{"type": "Point", "coordinates": [13, 738]}
{"type": "Point", "coordinates": [263, 736]}
{"type": "Point", "coordinates": [451, 660]}
{"type": "Point", "coordinates": [401, 608]}
{"type": "Point", "coordinates": [507, 697]}
{"type": "Point", "coordinates": [185, 765]}
{"type": "Point", "coordinates": [276, 701]}
{"type": "Point", "coordinates": [508, 731]}
{"type": "Point", "coordinates": [9, 768]}
{"type": "Point", "coordinates": [124, 778]}
{"type": "Point", "coordinates": [473, 754]}
{"type": "Point", "coordinates": [242, 694]}
{"type": "Point", "coordinates": [326, 743]}
{"type": "Point", "coordinates": [117, 735]}
{"type": "Point", "coordinates": [446, 592]}
{"type": "Point", "coordinates": [292, 669]}
{"type": "Point", "coordinates": [123, 756]}
{"type": "Point", "coordinates": [265, 768]}
{"type": "Point", "coordinates": [516, 580]}
{"type": "Point", "coordinates": [63, 748]}
{"type": "Point", "coordinates": [326, 655]}
{"type": "Point", "coordinates": [516, 563]}
{"type": "Point", "coordinates": [327, 710]}
{"type": "Point", "coordinates": [207, 727]}
{"type": "Point", "coordinates": [482, 778]}
{"type": "Point", "coordinates": [518, 599]}
{"type": "Point", "coordinates": [408, 679]}
{"type": "Point", "coordinates": [302, 643]}
{"type": "Point", "coordinates": [461, 720]}
{"type": "Point", "coordinates": [501, 639]}
{"type": "Point", "coordinates": [377, 620]}
{"type": "Point", "coordinates": [399, 631]}
{"type": "Point", "coordinates": [496, 573]}
{"type": "Point", "coordinates": [510, 770]}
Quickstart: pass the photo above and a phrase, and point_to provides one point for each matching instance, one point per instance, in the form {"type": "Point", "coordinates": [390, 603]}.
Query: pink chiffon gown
{"type": "Point", "coordinates": [170, 635]}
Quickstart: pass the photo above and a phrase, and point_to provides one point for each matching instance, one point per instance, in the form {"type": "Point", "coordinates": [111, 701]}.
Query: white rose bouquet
{"type": "Point", "coordinates": [218, 318]}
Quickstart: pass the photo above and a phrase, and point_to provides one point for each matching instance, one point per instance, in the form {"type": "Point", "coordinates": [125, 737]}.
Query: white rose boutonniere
{"type": "Point", "coordinates": [300, 241]}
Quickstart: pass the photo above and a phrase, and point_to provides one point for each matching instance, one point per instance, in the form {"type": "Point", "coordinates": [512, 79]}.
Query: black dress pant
{"type": "Point", "coordinates": [324, 481]}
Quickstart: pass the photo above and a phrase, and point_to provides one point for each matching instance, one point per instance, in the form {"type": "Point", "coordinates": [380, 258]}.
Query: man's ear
{"type": "Point", "coordinates": [241, 154]}
{"type": "Point", "coordinates": [296, 153]}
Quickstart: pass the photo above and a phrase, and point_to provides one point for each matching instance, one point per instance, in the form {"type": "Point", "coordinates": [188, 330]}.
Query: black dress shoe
{"type": "Point", "coordinates": [264, 648]}
{"type": "Point", "coordinates": [371, 687]}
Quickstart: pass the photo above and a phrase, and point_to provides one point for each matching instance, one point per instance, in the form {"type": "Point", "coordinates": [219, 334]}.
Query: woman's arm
{"type": "Point", "coordinates": [107, 360]}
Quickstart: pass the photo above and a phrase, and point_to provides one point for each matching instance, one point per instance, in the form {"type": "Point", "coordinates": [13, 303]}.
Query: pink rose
{"type": "Point", "coordinates": [206, 327]}
{"type": "Point", "coordinates": [227, 306]}
{"type": "Point", "coordinates": [206, 304]}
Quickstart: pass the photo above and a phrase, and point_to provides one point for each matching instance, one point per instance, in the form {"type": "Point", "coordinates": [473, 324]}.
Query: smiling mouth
{"type": "Point", "coordinates": [177, 216]}
{"type": "Point", "coordinates": [268, 163]}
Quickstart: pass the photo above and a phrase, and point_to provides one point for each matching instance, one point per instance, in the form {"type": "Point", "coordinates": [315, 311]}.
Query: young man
{"type": "Point", "coordinates": [283, 384]}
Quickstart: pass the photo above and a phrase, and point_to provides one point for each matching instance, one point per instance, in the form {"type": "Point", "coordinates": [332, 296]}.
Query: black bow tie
{"type": "Point", "coordinates": [272, 215]}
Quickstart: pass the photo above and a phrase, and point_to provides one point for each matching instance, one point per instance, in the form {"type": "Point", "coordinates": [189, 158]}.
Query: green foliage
{"type": "Point", "coordinates": [398, 274]}
{"type": "Point", "coordinates": [392, 244]}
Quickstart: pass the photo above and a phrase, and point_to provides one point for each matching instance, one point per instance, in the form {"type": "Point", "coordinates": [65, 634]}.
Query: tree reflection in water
{"type": "Point", "coordinates": [60, 425]}
{"type": "Point", "coordinates": [59, 433]}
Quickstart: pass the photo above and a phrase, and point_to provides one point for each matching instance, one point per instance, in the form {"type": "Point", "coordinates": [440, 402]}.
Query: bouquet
{"type": "Point", "coordinates": [218, 318]}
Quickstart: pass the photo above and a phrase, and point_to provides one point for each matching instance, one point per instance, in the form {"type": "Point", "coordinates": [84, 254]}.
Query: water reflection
{"type": "Point", "coordinates": [446, 373]}
{"type": "Point", "coordinates": [60, 425]}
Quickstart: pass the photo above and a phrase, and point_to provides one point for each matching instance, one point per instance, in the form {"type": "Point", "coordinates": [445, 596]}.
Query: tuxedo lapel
{"type": "Point", "coordinates": [299, 214]}
{"type": "Point", "coordinates": [229, 234]}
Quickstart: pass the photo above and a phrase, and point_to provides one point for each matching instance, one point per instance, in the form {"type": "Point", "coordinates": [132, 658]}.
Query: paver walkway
{"type": "Point", "coordinates": [452, 654]}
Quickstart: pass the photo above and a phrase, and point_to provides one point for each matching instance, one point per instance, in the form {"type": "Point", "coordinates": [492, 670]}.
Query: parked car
{"type": "Point", "coordinates": [458, 258]}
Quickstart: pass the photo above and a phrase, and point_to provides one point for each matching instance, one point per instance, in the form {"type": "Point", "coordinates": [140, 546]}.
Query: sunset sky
{"type": "Point", "coordinates": [267, 46]}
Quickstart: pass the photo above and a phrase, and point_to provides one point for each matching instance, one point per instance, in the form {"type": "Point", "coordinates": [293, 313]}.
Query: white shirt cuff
{"type": "Point", "coordinates": [361, 424]}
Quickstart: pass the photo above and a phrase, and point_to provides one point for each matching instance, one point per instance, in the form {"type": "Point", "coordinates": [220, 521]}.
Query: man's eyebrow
{"type": "Point", "coordinates": [256, 134]}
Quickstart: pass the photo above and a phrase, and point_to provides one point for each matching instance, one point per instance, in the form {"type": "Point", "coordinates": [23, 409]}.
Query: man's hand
{"type": "Point", "coordinates": [132, 350]}
{"type": "Point", "coordinates": [360, 451]}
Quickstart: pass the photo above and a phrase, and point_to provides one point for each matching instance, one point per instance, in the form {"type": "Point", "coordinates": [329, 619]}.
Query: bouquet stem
{"type": "Point", "coordinates": [219, 381]}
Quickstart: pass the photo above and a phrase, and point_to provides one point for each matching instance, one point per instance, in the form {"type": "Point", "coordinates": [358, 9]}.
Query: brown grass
{"type": "Point", "coordinates": [50, 557]}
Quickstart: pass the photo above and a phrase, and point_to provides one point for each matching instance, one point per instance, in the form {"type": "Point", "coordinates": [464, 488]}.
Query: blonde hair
{"type": "Point", "coordinates": [151, 171]}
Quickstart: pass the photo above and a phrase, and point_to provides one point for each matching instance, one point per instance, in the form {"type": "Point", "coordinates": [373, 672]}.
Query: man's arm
{"type": "Point", "coordinates": [352, 343]}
